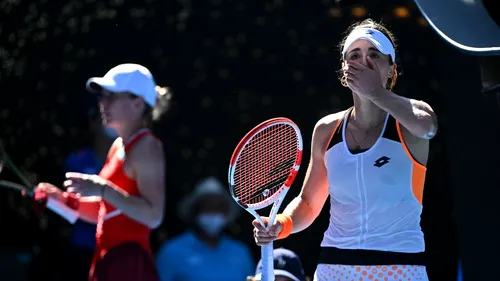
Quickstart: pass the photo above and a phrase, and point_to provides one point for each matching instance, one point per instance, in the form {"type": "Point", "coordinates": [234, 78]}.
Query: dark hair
{"type": "Point", "coordinates": [154, 114]}
{"type": "Point", "coordinates": [369, 23]}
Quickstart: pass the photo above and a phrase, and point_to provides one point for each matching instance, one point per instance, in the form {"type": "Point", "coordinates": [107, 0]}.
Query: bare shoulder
{"type": "Point", "coordinates": [328, 123]}
{"type": "Point", "coordinates": [331, 119]}
{"type": "Point", "coordinates": [324, 129]}
{"type": "Point", "coordinates": [147, 149]}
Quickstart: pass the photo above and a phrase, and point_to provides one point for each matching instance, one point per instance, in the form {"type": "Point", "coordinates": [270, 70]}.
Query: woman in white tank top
{"type": "Point", "coordinates": [370, 159]}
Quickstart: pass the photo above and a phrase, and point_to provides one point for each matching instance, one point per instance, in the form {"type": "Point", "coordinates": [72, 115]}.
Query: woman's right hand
{"type": "Point", "coordinates": [51, 190]}
{"type": "Point", "coordinates": [263, 236]}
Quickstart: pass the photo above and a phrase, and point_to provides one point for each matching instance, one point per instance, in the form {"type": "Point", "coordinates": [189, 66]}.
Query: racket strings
{"type": "Point", "coordinates": [265, 163]}
{"type": "Point", "coordinates": [6, 162]}
{"type": "Point", "coordinates": [2, 163]}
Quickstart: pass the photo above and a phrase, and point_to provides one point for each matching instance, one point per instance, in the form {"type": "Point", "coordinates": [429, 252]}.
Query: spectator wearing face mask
{"type": "Point", "coordinates": [203, 252]}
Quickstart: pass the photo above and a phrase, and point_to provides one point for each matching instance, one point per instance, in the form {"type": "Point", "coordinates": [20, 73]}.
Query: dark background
{"type": "Point", "coordinates": [231, 65]}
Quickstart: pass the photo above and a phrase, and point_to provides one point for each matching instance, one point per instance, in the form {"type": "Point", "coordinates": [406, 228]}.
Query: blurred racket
{"type": "Point", "coordinates": [262, 169]}
{"type": "Point", "coordinates": [26, 188]}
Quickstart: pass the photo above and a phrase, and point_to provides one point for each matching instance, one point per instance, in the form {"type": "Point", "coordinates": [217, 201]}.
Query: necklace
{"type": "Point", "coordinates": [358, 144]}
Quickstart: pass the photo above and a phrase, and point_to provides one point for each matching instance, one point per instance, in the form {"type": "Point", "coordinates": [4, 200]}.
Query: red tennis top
{"type": "Point", "coordinates": [113, 227]}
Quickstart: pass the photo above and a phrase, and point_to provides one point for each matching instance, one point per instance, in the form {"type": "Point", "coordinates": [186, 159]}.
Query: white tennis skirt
{"type": "Point", "coordinates": [335, 272]}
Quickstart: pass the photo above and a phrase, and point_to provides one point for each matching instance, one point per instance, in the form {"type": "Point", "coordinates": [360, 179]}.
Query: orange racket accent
{"type": "Point", "coordinates": [265, 162]}
{"type": "Point", "coordinates": [261, 170]}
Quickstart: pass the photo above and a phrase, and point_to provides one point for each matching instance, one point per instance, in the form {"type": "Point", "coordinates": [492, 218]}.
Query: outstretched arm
{"type": "Point", "coordinates": [87, 210]}
{"type": "Point", "coordinates": [416, 116]}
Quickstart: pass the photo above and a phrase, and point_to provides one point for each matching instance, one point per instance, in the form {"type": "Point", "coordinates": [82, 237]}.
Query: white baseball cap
{"type": "Point", "coordinates": [130, 78]}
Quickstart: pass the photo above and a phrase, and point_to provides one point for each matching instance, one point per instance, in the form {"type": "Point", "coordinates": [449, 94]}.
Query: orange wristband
{"type": "Point", "coordinates": [287, 223]}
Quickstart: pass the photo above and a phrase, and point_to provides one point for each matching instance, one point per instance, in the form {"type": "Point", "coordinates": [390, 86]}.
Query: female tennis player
{"type": "Point", "coordinates": [126, 199]}
{"type": "Point", "coordinates": [371, 160]}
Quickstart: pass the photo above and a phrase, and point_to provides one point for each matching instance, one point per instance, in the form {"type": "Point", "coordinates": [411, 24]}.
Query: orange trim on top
{"type": "Point", "coordinates": [333, 133]}
{"type": "Point", "coordinates": [418, 170]}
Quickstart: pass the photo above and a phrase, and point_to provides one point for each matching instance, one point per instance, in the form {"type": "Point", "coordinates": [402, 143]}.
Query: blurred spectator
{"type": "Point", "coordinates": [204, 252]}
{"type": "Point", "coordinates": [459, 272]}
{"type": "Point", "coordinates": [287, 267]}
{"type": "Point", "coordinates": [88, 160]}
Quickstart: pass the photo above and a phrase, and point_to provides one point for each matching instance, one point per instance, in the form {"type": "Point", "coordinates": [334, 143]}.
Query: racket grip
{"type": "Point", "coordinates": [63, 210]}
{"type": "Point", "coordinates": [267, 262]}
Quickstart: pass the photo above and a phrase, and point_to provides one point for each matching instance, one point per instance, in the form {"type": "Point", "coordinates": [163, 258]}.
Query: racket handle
{"type": "Point", "coordinates": [267, 262]}
{"type": "Point", "coordinates": [63, 210]}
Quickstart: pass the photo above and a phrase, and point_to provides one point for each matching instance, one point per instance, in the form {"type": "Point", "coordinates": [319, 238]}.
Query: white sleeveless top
{"type": "Point", "coordinates": [375, 195]}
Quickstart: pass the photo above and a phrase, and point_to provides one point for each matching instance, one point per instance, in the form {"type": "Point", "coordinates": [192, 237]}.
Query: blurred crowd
{"type": "Point", "coordinates": [231, 65]}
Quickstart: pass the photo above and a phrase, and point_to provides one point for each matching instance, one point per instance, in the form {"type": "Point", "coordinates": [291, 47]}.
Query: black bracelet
{"type": "Point", "coordinates": [102, 192]}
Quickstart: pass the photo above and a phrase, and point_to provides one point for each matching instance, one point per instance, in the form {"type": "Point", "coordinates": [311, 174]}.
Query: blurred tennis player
{"type": "Point", "coordinates": [371, 160]}
{"type": "Point", "coordinates": [126, 199]}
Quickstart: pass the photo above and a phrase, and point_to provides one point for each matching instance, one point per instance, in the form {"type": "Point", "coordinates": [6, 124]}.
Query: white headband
{"type": "Point", "coordinates": [377, 38]}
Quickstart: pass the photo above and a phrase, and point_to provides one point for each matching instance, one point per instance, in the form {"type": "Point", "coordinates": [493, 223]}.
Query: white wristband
{"type": "Point", "coordinates": [63, 210]}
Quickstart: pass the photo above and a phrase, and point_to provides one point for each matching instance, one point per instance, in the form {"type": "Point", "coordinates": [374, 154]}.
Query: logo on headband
{"type": "Point", "coordinates": [370, 32]}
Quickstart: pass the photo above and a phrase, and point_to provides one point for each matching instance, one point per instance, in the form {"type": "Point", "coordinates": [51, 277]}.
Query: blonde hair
{"type": "Point", "coordinates": [164, 96]}
{"type": "Point", "coordinates": [163, 101]}
{"type": "Point", "coordinates": [369, 23]}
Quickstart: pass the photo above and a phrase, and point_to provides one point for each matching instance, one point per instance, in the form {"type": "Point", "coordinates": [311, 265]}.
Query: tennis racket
{"type": "Point", "coordinates": [26, 188]}
{"type": "Point", "coordinates": [262, 169]}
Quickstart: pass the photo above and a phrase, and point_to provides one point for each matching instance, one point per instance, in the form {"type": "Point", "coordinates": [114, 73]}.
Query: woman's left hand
{"type": "Point", "coordinates": [85, 185]}
{"type": "Point", "coordinates": [363, 80]}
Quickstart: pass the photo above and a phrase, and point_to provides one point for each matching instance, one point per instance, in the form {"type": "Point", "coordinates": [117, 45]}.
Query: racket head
{"type": "Point", "coordinates": [2, 157]}
{"type": "Point", "coordinates": [265, 163]}
{"type": "Point", "coordinates": [6, 163]}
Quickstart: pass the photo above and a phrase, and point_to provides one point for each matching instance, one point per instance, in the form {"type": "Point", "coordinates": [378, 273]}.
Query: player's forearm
{"type": "Point", "coordinates": [135, 207]}
{"type": "Point", "coordinates": [301, 213]}
{"type": "Point", "coordinates": [415, 116]}
{"type": "Point", "coordinates": [71, 207]}
{"type": "Point", "coordinates": [305, 208]}
{"type": "Point", "coordinates": [89, 209]}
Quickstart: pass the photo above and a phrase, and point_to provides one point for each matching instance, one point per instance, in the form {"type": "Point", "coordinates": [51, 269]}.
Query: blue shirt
{"type": "Point", "coordinates": [187, 258]}
{"type": "Point", "coordinates": [459, 273]}
{"type": "Point", "coordinates": [83, 161]}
